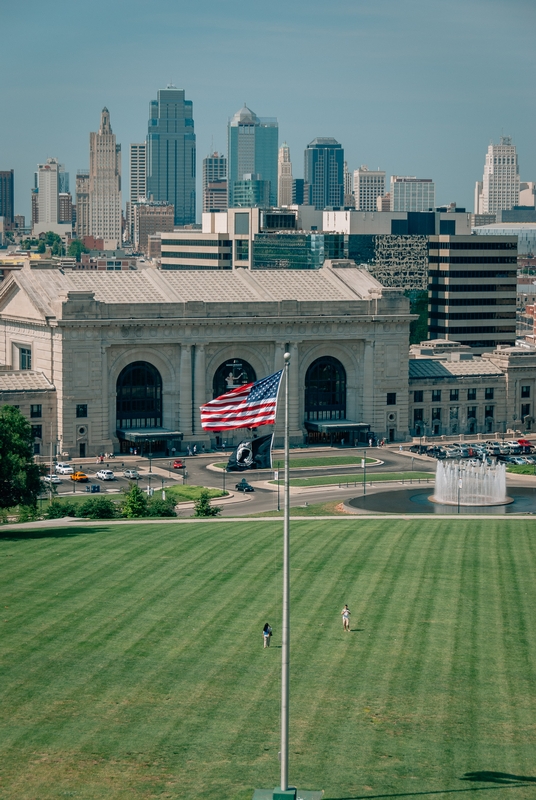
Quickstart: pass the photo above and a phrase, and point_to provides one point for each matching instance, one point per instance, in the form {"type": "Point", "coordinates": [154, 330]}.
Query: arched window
{"type": "Point", "coordinates": [139, 396]}
{"type": "Point", "coordinates": [231, 374]}
{"type": "Point", "coordinates": [325, 390]}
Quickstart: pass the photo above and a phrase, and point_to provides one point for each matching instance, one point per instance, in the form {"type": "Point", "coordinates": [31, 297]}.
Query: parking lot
{"type": "Point", "coordinates": [161, 475]}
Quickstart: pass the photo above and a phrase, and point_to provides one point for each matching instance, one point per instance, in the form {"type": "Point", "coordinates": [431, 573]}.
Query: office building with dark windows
{"type": "Point", "coordinates": [252, 151]}
{"type": "Point", "coordinates": [472, 290]}
{"type": "Point", "coordinates": [7, 193]}
{"type": "Point", "coordinates": [171, 153]}
{"type": "Point", "coordinates": [324, 173]}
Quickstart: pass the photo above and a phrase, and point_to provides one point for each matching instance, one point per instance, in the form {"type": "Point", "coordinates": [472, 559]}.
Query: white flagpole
{"type": "Point", "coordinates": [285, 652]}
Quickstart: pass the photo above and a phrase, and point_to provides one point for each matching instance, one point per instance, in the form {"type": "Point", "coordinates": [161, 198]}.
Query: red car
{"type": "Point", "coordinates": [178, 464]}
{"type": "Point", "coordinates": [525, 444]}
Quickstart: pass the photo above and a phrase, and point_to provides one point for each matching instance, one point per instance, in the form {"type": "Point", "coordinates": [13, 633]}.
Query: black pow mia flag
{"type": "Point", "coordinates": [252, 454]}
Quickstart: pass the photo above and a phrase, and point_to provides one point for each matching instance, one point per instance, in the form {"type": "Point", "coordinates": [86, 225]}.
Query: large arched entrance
{"type": "Point", "coordinates": [138, 405]}
{"type": "Point", "coordinates": [325, 399]}
{"type": "Point", "coordinates": [232, 373]}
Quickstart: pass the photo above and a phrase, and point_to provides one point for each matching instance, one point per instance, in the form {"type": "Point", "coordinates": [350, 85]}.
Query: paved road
{"type": "Point", "coordinates": [265, 499]}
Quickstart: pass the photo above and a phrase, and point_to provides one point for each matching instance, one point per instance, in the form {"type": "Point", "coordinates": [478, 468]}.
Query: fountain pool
{"type": "Point", "coordinates": [470, 483]}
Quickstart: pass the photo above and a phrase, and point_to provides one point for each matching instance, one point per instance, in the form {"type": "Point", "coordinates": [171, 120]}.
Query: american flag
{"type": "Point", "coordinates": [244, 407]}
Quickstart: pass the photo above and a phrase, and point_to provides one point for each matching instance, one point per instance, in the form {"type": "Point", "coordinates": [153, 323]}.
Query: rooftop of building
{"type": "Point", "coordinates": [437, 368]}
{"type": "Point", "coordinates": [337, 281]}
{"type": "Point", "coordinates": [23, 381]}
{"type": "Point", "coordinates": [324, 141]}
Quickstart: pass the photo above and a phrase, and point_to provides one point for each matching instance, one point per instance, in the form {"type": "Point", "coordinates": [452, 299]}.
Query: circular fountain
{"type": "Point", "coordinates": [470, 483]}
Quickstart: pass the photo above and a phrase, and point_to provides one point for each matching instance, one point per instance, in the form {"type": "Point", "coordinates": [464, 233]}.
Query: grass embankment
{"type": "Point", "coordinates": [180, 493]}
{"type": "Point", "coordinates": [320, 461]}
{"type": "Point", "coordinates": [328, 480]}
{"type": "Point", "coordinates": [522, 469]}
{"type": "Point", "coordinates": [132, 662]}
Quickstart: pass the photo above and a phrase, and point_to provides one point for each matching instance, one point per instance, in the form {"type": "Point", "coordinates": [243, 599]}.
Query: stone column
{"type": "Point", "coordinates": [367, 414]}
{"type": "Point", "coordinates": [294, 394]}
{"type": "Point", "coordinates": [279, 361]}
{"type": "Point", "coordinates": [199, 387]}
{"type": "Point", "coordinates": [185, 391]}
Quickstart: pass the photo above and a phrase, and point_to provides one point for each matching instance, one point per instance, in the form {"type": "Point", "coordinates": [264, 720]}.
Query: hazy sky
{"type": "Point", "coordinates": [415, 87]}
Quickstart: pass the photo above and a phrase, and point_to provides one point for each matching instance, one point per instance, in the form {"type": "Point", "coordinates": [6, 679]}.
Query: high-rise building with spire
{"type": "Point", "coordinates": [171, 153]}
{"type": "Point", "coordinates": [499, 188]}
{"type": "Point", "coordinates": [284, 176]}
{"type": "Point", "coordinates": [252, 152]}
{"type": "Point", "coordinates": [105, 184]}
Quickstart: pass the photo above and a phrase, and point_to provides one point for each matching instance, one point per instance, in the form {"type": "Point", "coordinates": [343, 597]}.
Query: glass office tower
{"type": "Point", "coordinates": [171, 153]}
{"type": "Point", "coordinates": [324, 173]}
{"type": "Point", "coordinates": [252, 150]}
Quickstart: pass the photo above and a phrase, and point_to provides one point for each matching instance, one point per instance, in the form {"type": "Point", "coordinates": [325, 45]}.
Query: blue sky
{"type": "Point", "coordinates": [415, 87]}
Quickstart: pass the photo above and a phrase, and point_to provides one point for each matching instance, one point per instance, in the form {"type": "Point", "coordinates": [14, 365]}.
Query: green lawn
{"type": "Point", "coordinates": [315, 461]}
{"type": "Point", "coordinates": [132, 664]}
{"type": "Point", "coordinates": [522, 469]}
{"type": "Point", "coordinates": [328, 480]}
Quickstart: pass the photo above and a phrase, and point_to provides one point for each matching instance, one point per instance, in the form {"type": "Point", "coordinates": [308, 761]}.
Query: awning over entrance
{"type": "Point", "coordinates": [335, 425]}
{"type": "Point", "coordinates": [140, 435]}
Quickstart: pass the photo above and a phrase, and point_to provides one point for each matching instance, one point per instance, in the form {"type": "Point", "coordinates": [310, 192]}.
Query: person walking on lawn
{"type": "Point", "coordinates": [345, 614]}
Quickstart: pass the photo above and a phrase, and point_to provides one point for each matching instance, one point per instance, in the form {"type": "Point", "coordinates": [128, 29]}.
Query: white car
{"type": "Point", "coordinates": [131, 474]}
{"type": "Point", "coordinates": [52, 479]}
{"type": "Point", "coordinates": [105, 475]}
{"type": "Point", "coordinates": [64, 469]}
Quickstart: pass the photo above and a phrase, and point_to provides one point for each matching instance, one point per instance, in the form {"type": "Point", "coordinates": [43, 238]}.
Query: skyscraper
{"type": "Point", "coordinates": [138, 171]}
{"type": "Point", "coordinates": [368, 186]}
{"type": "Point", "coordinates": [82, 203]}
{"type": "Point", "coordinates": [349, 199]}
{"type": "Point", "coordinates": [284, 176]}
{"type": "Point", "coordinates": [105, 184]}
{"type": "Point", "coordinates": [215, 182]}
{"type": "Point", "coordinates": [171, 153]}
{"type": "Point", "coordinates": [324, 173]}
{"type": "Point", "coordinates": [412, 194]}
{"type": "Point", "coordinates": [7, 187]}
{"type": "Point", "coordinates": [499, 188]}
{"type": "Point", "coordinates": [47, 197]}
{"type": "Point", "coordinates": [252, 150]}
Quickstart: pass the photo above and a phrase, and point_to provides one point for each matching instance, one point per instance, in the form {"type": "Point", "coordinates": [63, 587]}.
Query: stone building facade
{"type": "Point", "coordinates": [132, 356]}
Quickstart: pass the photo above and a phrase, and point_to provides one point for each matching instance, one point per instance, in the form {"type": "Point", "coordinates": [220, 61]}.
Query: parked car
{"type": "Point", "coordinates": [244, 486]}
{"type": "Point", "coordinates": [178, 464]}
{"type": "Point", "coordinates": [79, 476]}
{"type": "Point", "coordinates": [518, 460]}
{"type": "Point", "coordinates": [52, 479]}
{"type": "Point", "coordinates": [131, 474]}
{"type": "Point", "coordinates": [64, 469]}
{"type": "Point", "coordinates": [418, 448]}
{"type": "Point", "coordinates": [526, 445]}
{"type": "Point", "coordinates": [105, 475]}
{"type": "Point", "coordinates": [515, 447]}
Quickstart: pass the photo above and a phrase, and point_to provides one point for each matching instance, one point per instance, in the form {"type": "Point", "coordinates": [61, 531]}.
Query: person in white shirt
{"type": "Point", "coordinates": [345, 613]}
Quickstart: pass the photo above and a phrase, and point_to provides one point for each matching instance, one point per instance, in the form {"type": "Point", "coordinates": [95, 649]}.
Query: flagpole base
{"type": "Point", "coordinates": [288, 794]}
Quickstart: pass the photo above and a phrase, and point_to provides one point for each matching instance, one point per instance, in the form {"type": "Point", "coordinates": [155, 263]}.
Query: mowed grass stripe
{"type": "Point", "coordinates": [139, 631]}
{"type": "Point", "coordinates": [176, 695]}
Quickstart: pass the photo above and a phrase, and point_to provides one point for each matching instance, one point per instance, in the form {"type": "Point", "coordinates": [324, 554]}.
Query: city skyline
{"type": "Point", "coordinates": [428, 110]}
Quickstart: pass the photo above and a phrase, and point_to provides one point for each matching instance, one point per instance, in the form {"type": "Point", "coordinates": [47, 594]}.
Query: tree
{"type": "Point", "coordinates": [418, 304]}
{"type": "Point", "coordinates": [98, 508]}
{"type": "Point", "coordinates": [161, 508]}
{"type": "Point", "coordinates": [20, 478]}
{"type": "Point", "coordinates": [202, 507]}
{"type": "Point", "coordinates": [57, 509]}
{"type": "Point", "coordinates": [135, 503]}
{"type": "Point", "coordinates": [76, 248]}
{"type": "Point", "coordinates": [41, 247]}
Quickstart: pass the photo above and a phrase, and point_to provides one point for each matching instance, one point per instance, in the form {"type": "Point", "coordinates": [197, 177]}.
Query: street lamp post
{"type": "Point", "coordinates": [460, 484]}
